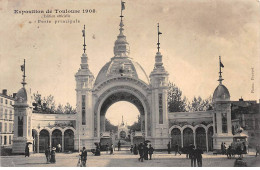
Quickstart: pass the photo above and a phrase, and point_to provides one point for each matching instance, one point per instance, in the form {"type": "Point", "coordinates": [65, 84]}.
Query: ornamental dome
{"type": "Point", "coordinates": [221, 93]}
{"type": "Point", "coordinates": [121, 66]}
{"type": "Point", "coordinates": [23, 97]}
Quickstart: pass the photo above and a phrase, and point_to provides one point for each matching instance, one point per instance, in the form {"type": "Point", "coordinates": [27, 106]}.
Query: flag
{"type": "Point", "coordinates": [221, 65]}
{"type": "Point", "coordinates": [83, 32]}
{"type": "Point", "coordinates": [22, 67]}
{"type": "Point", "coordinates": [122, 5]}
{"type": "Point", "coordinates": [159, 33]}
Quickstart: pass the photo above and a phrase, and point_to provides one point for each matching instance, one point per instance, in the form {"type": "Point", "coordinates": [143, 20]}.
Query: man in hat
{"type": "Point", "coordinates": [83, 156]}
{"type": "Point", "coordinates": [150, 151]}
{"type": "Point", "coordinates": [141, 152]}
{"type": "Point", "coordinates": [47, 154]}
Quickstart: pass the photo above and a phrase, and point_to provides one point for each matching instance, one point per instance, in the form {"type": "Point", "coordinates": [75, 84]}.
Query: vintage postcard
{"type": "Point", "coordinates": [129, 83]}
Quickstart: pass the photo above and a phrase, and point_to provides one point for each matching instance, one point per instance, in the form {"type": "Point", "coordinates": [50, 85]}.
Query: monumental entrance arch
{"type": "Point", "coordinates": [121, 79]}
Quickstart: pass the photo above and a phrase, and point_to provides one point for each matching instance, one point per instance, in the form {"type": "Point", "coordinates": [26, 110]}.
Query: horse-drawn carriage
{"type": "Point", "coordinates": [238, 147]}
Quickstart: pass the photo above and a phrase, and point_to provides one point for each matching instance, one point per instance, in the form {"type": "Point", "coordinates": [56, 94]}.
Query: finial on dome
{"type": "Point", "coordinates": [121, 48]}
{"type": "Point", "coordinates": [121, 16]}
{"type": "Point", "coordinates": [23, 70]}
{"type": "Point", "coordinates": [159, 33]}
{"type": "Point", "coordinates": [220, 66]}
{"type": "Point", "coordinates": [84, 45]}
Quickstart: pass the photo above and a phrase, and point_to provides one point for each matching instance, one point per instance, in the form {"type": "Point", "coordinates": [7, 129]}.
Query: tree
{"type": "Point", "coordinates": [137, 125]}
{"type": "Point", "coordinates": [176, 103]}
{"type": "Point", "coordinates": [60, 109]}
{"type": "Point", "coordinates": [198, 104]}
{"type": "Point", "coordinates": [47, 105]}
{"type": "Point", "coordinates": [68, 109]}
{"type": "Point", "coordinates": [109, 126]}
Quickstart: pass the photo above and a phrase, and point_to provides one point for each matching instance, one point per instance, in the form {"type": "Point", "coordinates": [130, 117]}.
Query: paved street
{"type": "Point", "coordinates": [122, 159]}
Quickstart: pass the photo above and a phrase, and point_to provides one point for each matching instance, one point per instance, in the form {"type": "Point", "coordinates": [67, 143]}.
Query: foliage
{"type": "Point", "coordinates": [47, 105]}
{"type": "Point", "coordinates": [137, 125]}
{"type": "Point", "coordinates": [109, 126]}
{"type": "Point", "coordinates": [198, 104]}
{"type": "Point", "coordinates": [176, 103]}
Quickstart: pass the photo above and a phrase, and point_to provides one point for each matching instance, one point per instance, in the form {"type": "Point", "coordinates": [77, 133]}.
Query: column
{"type": "Point", "coordinates": [62, 145]}
{"type": "Point", "coordinates": [182, 138]}
{"type": "Point", "coordinates": [38, 139]}
{"type": "Point", "coordinates": [207, 142]}
{"type": "Point", "coordinates": [194, 138]}
{"type": "Point", "coordinates": [50, 140]}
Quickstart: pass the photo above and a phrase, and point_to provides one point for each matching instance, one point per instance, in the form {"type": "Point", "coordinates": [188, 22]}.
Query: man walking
{"type": "Point", "coordinates": [146, 151]}
{"type": "Point", "coordinates": [150, 151]}
{"type": "Point", "coordinates": [198, 156]}
{"type": "Point", "coordinates": [107, 148]}
{"type": "Point", "coordinates": [192, 157]}
{"type": "Point", "coordinates": [48, 154]}
{"type": "Point", "coordinates": [83, 156]}
{"type": "Point", "coordinates": [141, 152]}
{"type": "Point", "coordinates": [177, 149]}
{"type": "Point", "coordinates": [169, 148]}
{"type": "Point", "coordinates": [119, 145]}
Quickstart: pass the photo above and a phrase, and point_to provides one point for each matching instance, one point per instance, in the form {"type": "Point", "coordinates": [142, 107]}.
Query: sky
{"type": "Point", "coordinates": [194, 34]}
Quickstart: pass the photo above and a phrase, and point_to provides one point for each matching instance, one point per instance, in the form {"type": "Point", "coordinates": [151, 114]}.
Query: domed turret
{"type": "Point", "coordinates": [23, 97]}
{"type": "Point", "coordinates": [221, 93]}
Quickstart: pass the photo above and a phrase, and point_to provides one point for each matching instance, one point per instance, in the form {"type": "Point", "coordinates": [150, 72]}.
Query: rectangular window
{"type": "Point", "coordinates": [160, 109]}
{"type": "Point", "coordinates": [5, 140]}
{"type": "Point", "coordinates": [1, 100]}
{"type": "Point", "coordinates": [1, 113]}
{"type": "Point", "coordinates": [5, 113]}
{"type": "Point", "coordinates": [11, 115]}
{"type": "Point", "coordinates": [10, 139]}
{"type": "Point", "coordinates": [11, 102]}
{"type": "Point", "coordinates": [10, 127]}
{"type": "Point", "coordinates": [20, 126]}
{"type": "Point", "coordinates": [224, 122]}
{"type": "Point", "coordinates": [6, 101]}
{"type": "Point", "coordinates": [5, 127]}
{"type": "Point", "coordinates": [1, 127]}
{"type": "Point", "coordinates": [83, 110]}
{"type": "Point", "coordinates": [215, 118]}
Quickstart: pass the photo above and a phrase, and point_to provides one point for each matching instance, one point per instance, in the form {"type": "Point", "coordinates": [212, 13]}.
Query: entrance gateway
{"type": "Point", "coordinates": [122, 79]}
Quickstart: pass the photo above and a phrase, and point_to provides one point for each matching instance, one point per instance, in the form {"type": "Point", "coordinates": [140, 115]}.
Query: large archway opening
{"type": "Point", "coordinates": [176, 137]}
{"type": "Point", "coordinates": [188, 137]}
{"type": "Point", "coordinates": [201, 138]}
{"type": "Point", "coordinates": [126, 113]}
{"type": "Point", "coordinates": [44, 140]}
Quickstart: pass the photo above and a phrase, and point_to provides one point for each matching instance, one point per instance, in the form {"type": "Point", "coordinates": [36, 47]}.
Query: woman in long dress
{"type": "Point", "coordinates": [27, 150]}
{"type": "Point", "coordinates": [53, 160]}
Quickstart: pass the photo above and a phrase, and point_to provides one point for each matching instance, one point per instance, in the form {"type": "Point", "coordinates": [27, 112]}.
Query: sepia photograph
{"type": "Point", "coordinates": [129, 83]}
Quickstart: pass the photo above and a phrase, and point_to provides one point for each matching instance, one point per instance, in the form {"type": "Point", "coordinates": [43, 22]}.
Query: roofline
{"type": "Point", "coordinates": [9, 97]}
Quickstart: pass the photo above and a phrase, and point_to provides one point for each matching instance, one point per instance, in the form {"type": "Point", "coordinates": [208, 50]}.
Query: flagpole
{"type": "Point", "coordinates": [23, 83]}
{"type": "Point", "coordinates": [84, 45]}
{"type": "Point", "coordinates": [158, 44]}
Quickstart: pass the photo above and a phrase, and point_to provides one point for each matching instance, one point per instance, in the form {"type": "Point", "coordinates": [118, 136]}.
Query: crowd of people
{"type": "Point", "coordinates": [145, 151]}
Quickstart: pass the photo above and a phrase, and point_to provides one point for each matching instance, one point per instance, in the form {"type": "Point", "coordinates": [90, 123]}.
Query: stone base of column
{"type": "Point", "coordinates": [19, 144]}
{"type": "Point", "coordinates": [87, 143]}
{"type": "Point", "coordinates": [159, 143]}
{"type": "Point", "coordinates": [218, 139]}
